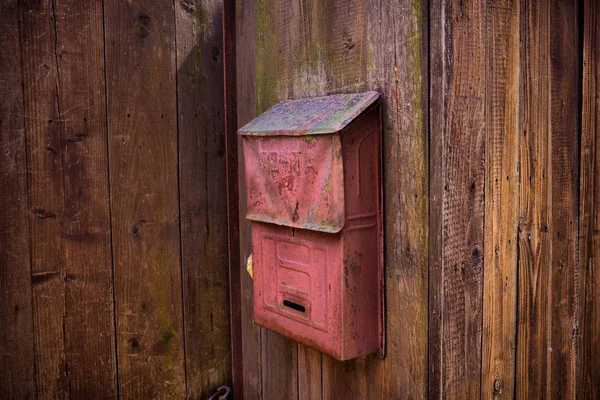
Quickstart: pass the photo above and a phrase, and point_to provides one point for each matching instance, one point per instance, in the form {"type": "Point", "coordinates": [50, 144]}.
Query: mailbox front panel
{"type": "Point", "coordinates": [296, 280]}
{"type": "Point", "coordinates": [295, 181]}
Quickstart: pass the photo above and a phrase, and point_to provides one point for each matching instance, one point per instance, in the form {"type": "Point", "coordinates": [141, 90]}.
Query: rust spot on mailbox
{"type": "Point", "coordinates": [313, 188]}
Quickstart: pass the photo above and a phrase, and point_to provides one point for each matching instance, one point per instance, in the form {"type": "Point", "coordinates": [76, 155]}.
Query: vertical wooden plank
{"type": "Point", "coordinates": [203, 200]}
{"type": "Point", "coordinates": [310, 383]}
{"type": "Point", "coordinates": [549, 159]}
{"type": "Point", "coordinates": [246, 110]}
{"type": "Point", "coordinates": [142, 115]}
{"type": "Point", "coordinates": [72, 274]}
{"type": "Point", "coordinates": [462, 176]}
{"type": "Point", "coordinates": [565, 111]}
{"type": "Point", "coordinates": [279, 366]}
{"type": "Point", "coordinates": [86, 251]}
{"type": "Point", "coordinates": [17, 378]}
{"type": "Point", "coordinates": [588, 371]}
{"type": "Point", "coordinates": [437, 121]}
{"type": "Point", "coordinates": [501, 199]}
{"type": "Point", "coordinates": [46, 195]}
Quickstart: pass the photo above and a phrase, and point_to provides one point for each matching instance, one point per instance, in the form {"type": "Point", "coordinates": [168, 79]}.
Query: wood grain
{"type": "Point", "coordinates": [437, 121]}
{"type": "Point", "coordinates": [588, 371]}
{"type": "Point", "coordinates": [17, 380]}
{"type": "Point", "coordinates": [142, 116]}
{"type": "Point", "coordinates": [203, 200]}
{"type": "Point", "coordinates": [46, 196]}
{"type": "Point", "coordinates": [501, 200]}
{"type": "Point", "coordinates": [86, 249]}
{"type": "Point", "coordinates": [549, 160]}
{"type": "Point", "coordinates": [246, 111]}
{"type": "Point", "coordinates": [458, 373]}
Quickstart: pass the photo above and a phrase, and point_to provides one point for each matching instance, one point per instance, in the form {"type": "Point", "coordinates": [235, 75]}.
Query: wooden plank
{"type": "Point", "coordinates": [246, 111]}
{"type": "Point", "coordinates": [17, 378]}
{"type": "Point", "coordinates": [501, 200]}
{"type": "Point", "coordinates": [437, 121]}
{"type": "Point", "coordinates": [86, 249]}
{"type": "Point", "coordinates": [46, 196]}
{"type": "Point", "coordinates": [549, 160]}
{"type": "Point", "coordinates": [229, 64]}
{"type": "Point", "coordinates": [589, 209]}
{"type": "Point", "coordinates": [397, 45]}
{"type": "Point", "coordinates": [458, 373]}
{"type": "Point", "coordinates": [63, 60]}
{"type": "Point", "coordinates": [310, 382]}
{"type": "Point", "coordinates": [142, 115]}
{"type": "Point", "coordinates": [279, 366]}
{"type": "Point", "coordinates": [203, 202]}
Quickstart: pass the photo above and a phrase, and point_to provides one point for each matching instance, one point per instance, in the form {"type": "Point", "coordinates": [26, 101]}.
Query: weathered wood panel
{"type": "Point", "coordinates": [46, 196]}
{"type": "Point", "coordinates": [549, 160]}
{"type": "Point", "coordinates": [246, 111]}
{"type": "Point", "coordinates": [63, 58]}
{"type": "Point", "coordinates": [86, 250]}
{"type": "Point", "coordinates": [462, 87]}
{"type": "Point", "coordinates": [142, 118]}
{"type": "Point", "coordinates": [588, 371]}
{"type": "Point", "coordinates": [501, 199]}
{"type": "Point", "coordinates": [203, 190]}
{"type": "Point", "coordinates": [17, 380]}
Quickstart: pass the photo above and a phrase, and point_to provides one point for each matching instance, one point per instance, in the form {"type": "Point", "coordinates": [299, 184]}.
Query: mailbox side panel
{"type": "Point", "coordinates": [297, 292]}
{"type": "Point", "coordinates": [363, 288]}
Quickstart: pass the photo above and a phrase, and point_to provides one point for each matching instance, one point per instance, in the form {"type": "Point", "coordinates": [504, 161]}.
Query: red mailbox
{"type": "Point", "coordinates": [313, 189]}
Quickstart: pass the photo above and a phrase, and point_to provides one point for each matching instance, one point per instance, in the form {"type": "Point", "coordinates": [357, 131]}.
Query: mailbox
{"type": "Point", "coordinates": [313, 191]}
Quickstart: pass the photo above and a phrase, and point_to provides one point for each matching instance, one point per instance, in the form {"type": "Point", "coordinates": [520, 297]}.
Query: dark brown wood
{"type": "Point", "coordinates": [246, 111]}
{"type": "Point", "coordinates": [279, 366]}
{"type": "Point", "coordinates": [549, 162]}
{"type": "Point", "coordinates": [501, 200]}
{"type": "Point", "coordinates": [86, 250]}
{"type": "Point", "coordinates": [233, 205]}
{"type": "Point", "coordinates": [203, 201]}
{"type": "Point", "coordinates": [17, 380]}
{"type": "Point", "coordinates": [142, 118]}
{"type": "Point", "coordinates": [437, 121]}
{"type": "Point", "coordinates": [588, 372]}
{"type": "Point", "coordinates": [458, 373]}
{"type": "Point", "coordinates": [68, 192]}
{"type": "Point", "coordinates": [46, 196]}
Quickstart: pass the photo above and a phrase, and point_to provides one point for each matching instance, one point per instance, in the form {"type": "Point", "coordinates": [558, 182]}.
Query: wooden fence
{"type": "Point", "coordinates": [113, 195]}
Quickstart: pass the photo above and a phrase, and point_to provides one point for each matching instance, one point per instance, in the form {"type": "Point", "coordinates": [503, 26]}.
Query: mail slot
{"type": "Point", "coordinates": [313, 194]}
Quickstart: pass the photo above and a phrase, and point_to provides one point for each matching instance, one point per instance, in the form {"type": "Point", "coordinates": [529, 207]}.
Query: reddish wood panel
{"type": "Point", "coordinates": [46, 196]}
{"type": "Point", "coordinates": [588, 370]}
{"type": "Point", "coordinates": [246, 111]}
{"type": "Point", "coordinates": [69, 213]}
{"type": "Point", "coordinates": [501, 200]}
{"type": "Point", "coordinates": [142, 121]}
{"type": "Point", "coordinates": [457, 372]}
{"type": "Point", "coordinates": [17, 378]}
{"type": "Point", "coordinates": [203, 189]}
{"type": "Point", "coordinates": [549, 161]}
{"type": "Point", "coordinates": [86, 249]}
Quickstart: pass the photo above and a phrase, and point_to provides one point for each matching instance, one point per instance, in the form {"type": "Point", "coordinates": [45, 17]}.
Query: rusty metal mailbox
{"type": "Point", "coordinates": [313, 191]}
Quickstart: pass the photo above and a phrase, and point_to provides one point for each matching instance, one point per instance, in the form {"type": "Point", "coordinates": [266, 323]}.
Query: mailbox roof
{"type": "Point", "coordinates": [312, 116]}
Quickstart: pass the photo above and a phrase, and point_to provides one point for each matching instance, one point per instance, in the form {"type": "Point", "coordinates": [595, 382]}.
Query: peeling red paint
{"type": "Point", "coordinates": [313, 179]}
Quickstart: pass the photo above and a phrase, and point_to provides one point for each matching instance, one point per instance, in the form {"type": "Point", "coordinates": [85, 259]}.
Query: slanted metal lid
{"type": "Point", "coordinates": [312, 116]}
